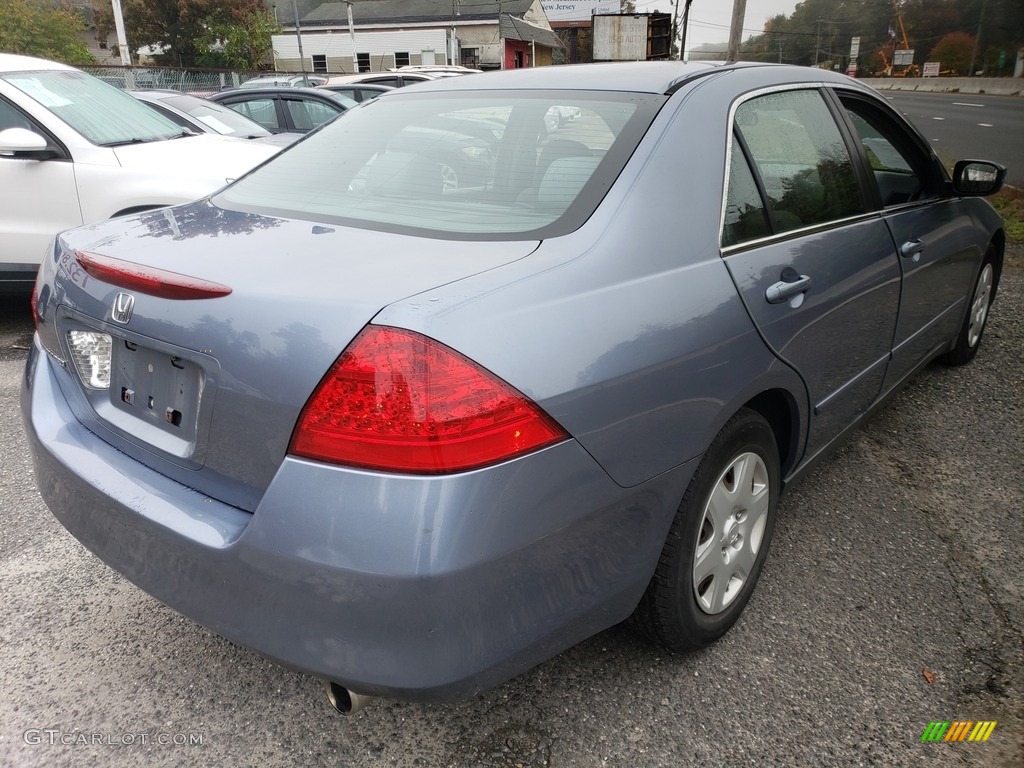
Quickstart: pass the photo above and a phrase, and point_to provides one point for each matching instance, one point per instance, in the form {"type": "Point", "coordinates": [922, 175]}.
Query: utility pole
{"type": "Point", "coordinates": [817, 43]}
{"type": "Point", "coordinates": [452, 43]}
{"type": "Point", "coordinates": [352, 38]}
{"type": "Point", "coordinates": [298, 36]}
{"type": "Point", "coordinates": [122, 41]}
{"type": "Point", "coordinates": [977, 38]}
{"type": "Point", "coordinates": [686, 21]}
{"type": "Point", "coordinates": [739, 10]}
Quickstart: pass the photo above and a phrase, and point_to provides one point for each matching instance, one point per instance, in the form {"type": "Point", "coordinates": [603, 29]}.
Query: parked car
{"type": "Point", "coordinates": [393, 79]}
{"type": "Point", "coordinates": [74, 150]}
{"type": "Point", "coordinates": [438, 69]}
{"type": "Point", "coordinates": [415, 439]}
{"type": "Point", "coordinates": [281, 110]}
{"type": "Point", "coordinates": [284, 81]}
{"type": "Point", "coordinates": [204, 116]}
{"type": "Point", "coordinates": [358, 91]}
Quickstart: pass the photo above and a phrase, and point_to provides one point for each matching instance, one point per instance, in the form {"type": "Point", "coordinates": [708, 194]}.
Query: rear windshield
{"type": "Point", "coordinates": [467, 165]}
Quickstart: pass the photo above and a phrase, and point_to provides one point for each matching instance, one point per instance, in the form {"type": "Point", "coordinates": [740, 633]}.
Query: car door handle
{"type": "Point", "coordinates": [790, 285]}
{"type": "Point", "coordinates": [911, 249]}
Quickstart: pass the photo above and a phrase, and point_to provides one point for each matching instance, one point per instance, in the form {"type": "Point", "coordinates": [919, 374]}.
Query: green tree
{"type": "Point", "coordinates": [953, 52]}
{"type": "Point", "coordinates": [246, 44]}
{"type": "Point", "coordinates": [180, 29]}
{"type": "Point", "coordinates": [38, 28]}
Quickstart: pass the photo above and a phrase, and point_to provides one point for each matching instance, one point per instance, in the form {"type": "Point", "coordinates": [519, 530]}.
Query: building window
{"type": "Point", "coordinates": [401, 58]}
{"type": "Point", "coordinates": [471, 58]}
{"type": "Point", "coordinates": [363, 59]}
{"type": "Point", "coordinates": [320, 63]}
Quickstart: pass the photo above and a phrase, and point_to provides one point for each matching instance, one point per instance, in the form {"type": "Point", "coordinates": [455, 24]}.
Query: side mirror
{"type": "Point", "coordinates": [23, 143]}
{"type": "Point", "coordinates": [976, 178]}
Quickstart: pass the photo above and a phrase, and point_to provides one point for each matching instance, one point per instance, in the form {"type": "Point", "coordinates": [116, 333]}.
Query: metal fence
{"type": "Point", "coordinates": [196, 81]}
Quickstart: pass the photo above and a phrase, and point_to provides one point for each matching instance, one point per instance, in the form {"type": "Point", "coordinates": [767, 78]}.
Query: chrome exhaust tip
{"type": "Point", "coordinates": [345, 701]}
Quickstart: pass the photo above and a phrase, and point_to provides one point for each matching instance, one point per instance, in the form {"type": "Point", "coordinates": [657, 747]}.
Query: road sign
{"type": "Point", "coordinates": [903, 58]}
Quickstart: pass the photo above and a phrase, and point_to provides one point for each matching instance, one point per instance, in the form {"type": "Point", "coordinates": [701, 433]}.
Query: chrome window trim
{"type": "Point", "coordinates": [789, 234]}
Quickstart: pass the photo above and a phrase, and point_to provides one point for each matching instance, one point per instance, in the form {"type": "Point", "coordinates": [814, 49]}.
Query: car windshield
{"type": "Point", "coordinates": [100, 112]}
{"type": "Point", "coordinates": [220, 119]}
{"type": "Point", "coordinates": [467, 165]}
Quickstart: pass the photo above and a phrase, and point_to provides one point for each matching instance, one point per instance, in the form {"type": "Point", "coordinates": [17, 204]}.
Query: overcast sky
{"type": "Point", "coordinates": [710, 19]}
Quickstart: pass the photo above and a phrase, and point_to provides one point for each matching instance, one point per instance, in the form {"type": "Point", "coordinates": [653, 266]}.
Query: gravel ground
{"type": "Point", "coordinates": [893, 596]}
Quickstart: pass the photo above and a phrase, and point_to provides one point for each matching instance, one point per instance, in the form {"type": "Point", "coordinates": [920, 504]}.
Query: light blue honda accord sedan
{"type": "Point", "coordinates": [444, 389]}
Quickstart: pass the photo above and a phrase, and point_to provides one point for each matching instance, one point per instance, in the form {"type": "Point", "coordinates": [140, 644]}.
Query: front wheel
{"type": "Point", "coordinates": [969, 338]}
{"type": "Point", "coordinates": [718, 541]}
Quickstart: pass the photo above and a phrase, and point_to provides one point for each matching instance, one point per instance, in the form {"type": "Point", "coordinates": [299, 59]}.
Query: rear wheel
{"type": "Point", "coordinates": [718, 541]}
{"type": "Point", "coordinates": [969, 338]}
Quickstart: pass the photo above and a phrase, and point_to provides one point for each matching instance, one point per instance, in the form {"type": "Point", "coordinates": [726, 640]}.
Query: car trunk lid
{"type": "Point", "coordinates": [208, 390]}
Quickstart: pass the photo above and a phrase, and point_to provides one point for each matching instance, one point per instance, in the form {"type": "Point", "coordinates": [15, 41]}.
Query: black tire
{"type": "Point", "coordinates": [969, 338]}
{"type": "Point", "coordinates": [675, 612]}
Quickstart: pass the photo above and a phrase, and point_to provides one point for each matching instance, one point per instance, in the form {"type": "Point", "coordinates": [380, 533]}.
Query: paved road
{"type": "Point", "coordinates": [902, 553]}
{"type": "Point", "coordinates": [963, 126]}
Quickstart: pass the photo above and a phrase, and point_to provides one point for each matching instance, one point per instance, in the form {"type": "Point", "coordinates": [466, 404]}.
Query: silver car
{"type": "Point", "coordinates": [416, 437]}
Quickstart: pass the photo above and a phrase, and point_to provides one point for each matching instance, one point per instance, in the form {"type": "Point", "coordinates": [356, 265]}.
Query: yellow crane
{"type": "Point", "coordinates": [889, 68]}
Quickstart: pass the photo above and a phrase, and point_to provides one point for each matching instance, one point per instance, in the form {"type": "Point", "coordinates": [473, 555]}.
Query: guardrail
{"type": "Point", "coordinates": [999, 86]}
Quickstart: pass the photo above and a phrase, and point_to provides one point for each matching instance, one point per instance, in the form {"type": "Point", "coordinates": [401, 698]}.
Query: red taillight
{"type": "Point", "coordinates": [401, 402]}
{"type": "Point", "coordinates": [34, 301]}
{"type": "Point", "coordinates": [150, 280]}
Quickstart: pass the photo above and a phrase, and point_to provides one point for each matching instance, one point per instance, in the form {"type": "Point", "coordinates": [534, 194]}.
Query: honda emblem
{"type": "Point", "coordinates": [121, 312]}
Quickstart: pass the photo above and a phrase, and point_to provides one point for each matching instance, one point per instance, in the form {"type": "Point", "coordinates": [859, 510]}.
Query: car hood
{"type": "Point", "coordinates": [300, 292]}
{"type": "Point", "coordinates": [202, 156]}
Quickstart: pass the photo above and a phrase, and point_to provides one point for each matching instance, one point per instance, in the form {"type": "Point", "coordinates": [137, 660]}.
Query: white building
{"type": "Point", "coordinates": [482, 34]}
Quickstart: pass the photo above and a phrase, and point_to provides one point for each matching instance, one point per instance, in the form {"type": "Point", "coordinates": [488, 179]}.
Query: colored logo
{"type": "Point", "coordinates": [959, 730]}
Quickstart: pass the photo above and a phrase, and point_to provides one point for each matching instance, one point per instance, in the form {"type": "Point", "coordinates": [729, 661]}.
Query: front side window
{"type": "Point", "coordinates": [473, 165]}
{"type": "Point", "coordinates": [801, 158]}
{"type": "Point", "coordinates": [902, 171]}
{"type": "Point", "coordinates": [11, 117]}
{"type": "Point", "coordinates": [99, 112]}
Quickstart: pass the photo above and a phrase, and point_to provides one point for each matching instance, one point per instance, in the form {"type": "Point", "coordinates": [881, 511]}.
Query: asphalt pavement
{"type": "Point", "coordinates": [963, 126]}
{"type": "Point", "coordinates": [893, 597]}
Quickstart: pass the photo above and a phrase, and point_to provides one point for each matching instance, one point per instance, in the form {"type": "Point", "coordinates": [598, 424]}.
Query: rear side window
{"type": "Point", "coordinates": [470, 165]}
{"type": "Point", "coordinates": [307, 115]}
{"type": "Point", "coordinates": [262, 111]}
{"type": "Point", "coordinates": [800, 156]}
{"type": "Point", "coordinates": [745, 215]}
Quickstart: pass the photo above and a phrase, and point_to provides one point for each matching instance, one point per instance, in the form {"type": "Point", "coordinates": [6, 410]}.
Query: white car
{"type": "Point", "coordinates": [284, 81]}
{"type": "Point", "coordinates": [75, 150]}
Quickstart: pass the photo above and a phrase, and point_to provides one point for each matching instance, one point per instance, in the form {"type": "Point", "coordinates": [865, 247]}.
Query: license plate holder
{"type": "Point", "coordinates": [160, 389]}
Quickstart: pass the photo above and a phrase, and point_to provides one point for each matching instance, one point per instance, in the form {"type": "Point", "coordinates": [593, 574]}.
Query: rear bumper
{"type": "Point", "coordinates": [417, 588]}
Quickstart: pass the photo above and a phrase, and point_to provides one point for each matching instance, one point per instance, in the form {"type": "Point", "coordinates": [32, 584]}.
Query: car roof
{"type": "Point", "coordinates": [347, 79]}
{"type": "Point", "coordinates": [357, 84]}
{"type": "Point", "coordinates": [13, 62]}
{"type": "Point", "coordinates": [630, 77]}
{"type": "Point", "coordinates": [156, 94]}
{"type": "Point", "coordinates": [275, 90]}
